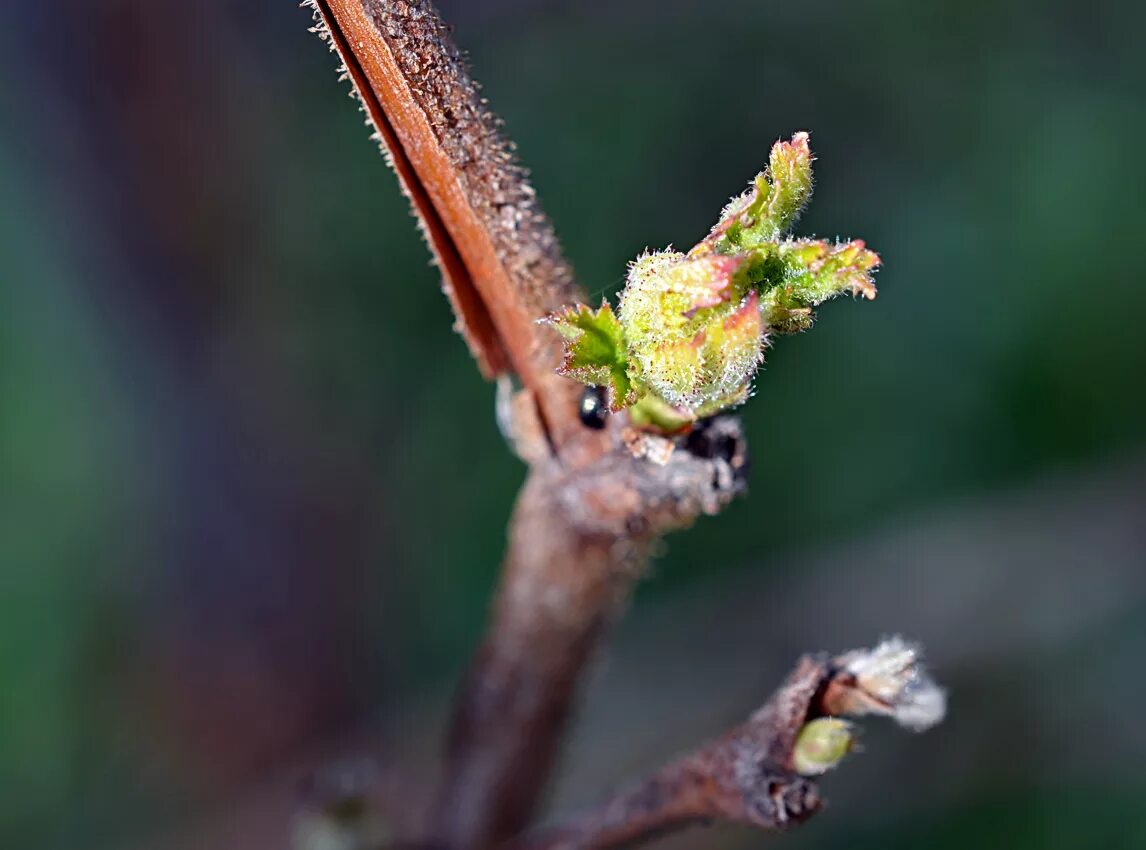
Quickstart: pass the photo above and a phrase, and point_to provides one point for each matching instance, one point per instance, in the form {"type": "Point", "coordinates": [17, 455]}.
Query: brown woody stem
{"type": "Point", "coordinates": [578, 540]}
{"type": "Point", "coordinates": [559, 591]}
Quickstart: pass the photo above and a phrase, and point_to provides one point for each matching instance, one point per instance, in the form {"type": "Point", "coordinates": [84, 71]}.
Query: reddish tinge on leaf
{"type": "Point", "coordinates": [745, 321]}
{"type": "Point", "coordinates": [789, 178]}
{"type": "Point", "coordinates": [707, 280]}
{"type": "Point", "coordinates": [824, 269]}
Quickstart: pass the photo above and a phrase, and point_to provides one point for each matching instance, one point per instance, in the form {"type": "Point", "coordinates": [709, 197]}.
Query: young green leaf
{"type": "Point", "coordinates": [771, 205]}
{"type": "Point", "coordinates": [595, 351]}
{"type": "Point", "coordinates": [789, 177]}
{"type": "Point", "coordinates": [821, 270]}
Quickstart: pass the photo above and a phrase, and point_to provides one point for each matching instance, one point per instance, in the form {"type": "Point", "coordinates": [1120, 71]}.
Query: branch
{"type": "Point", "coordinates": [501, 265]}
{"type": "Point", "coordinates": [757, 774]}
{"type": "Point", "coordinates": [578, 541]}
{"type": "Point", "coordinates": [591, 505]}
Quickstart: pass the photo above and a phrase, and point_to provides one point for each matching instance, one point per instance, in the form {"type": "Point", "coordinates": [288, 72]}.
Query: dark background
{"type": "Point", "coordinates": [252, 497]}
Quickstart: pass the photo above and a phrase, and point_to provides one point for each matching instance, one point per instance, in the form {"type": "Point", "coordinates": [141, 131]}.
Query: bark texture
{"type": "Point", "coordinates": [578, 540]}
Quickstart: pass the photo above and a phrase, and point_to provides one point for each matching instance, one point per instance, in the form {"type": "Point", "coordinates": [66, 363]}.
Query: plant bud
{"type": "Point", "coordinates": [892, 680]}
{"type": "Point", "coordinates": [695, 332]}
{"type": "Point", "coordinates": [821, 745]}
{"type": "Point", "coordinates": [690, 329]}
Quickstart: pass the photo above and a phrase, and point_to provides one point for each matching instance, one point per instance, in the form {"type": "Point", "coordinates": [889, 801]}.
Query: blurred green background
{"type": "Point", "coordinates": [252, 497]}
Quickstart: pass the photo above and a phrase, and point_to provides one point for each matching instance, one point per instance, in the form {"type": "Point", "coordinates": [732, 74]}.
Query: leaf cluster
{"type": "Point", "coordinates": [691, 328]}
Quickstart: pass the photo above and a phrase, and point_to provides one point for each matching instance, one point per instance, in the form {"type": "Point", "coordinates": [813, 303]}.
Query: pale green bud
{"type": "Point", "coordinates": [821, 745]}
{"type": "Point", "coordinates": [695, 332]}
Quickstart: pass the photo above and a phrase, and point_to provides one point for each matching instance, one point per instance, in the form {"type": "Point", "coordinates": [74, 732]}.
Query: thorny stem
{"type": "Point", "coordinates": [501, 265]}
{"type": "Point", "coordinates": [589, 508]}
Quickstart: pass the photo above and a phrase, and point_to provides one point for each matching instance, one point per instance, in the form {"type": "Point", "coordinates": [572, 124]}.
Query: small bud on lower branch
{"type": "Point", "coordinates": [755, 774]}
{"type": "Point", "coordinates": [688, 337]}
{"type": "Point", "coordinates": [888, 680]}
{"type": "Point", "coordinates": [821, 745]}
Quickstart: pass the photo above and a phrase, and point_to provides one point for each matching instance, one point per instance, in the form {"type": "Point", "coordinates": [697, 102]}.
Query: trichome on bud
{"type": "Point", "coordinates": [691, 328]}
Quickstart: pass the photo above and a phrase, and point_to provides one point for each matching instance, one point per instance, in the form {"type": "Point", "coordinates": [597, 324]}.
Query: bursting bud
{"type": "Point", "coordinates": [694, 329]}
{"type": "Point", "coordinates": [821, 745]}
{"type": "Point", "coordinates": [891, 680]}
{"type": "Point", "coordinates": [690, 330]}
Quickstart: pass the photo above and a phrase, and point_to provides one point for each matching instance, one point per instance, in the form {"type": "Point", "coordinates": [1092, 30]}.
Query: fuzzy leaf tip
{"type": "Point", "coordinates": [789, 181]}
{"type": "Point", "coordinates": [773, 202]}
{"type": "Point", "coordinates": [823, 270]}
